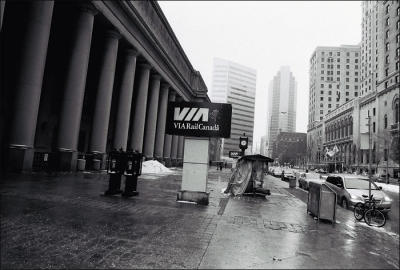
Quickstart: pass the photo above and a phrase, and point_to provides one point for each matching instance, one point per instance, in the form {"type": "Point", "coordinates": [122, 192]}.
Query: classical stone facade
{"type": "Point", "coordinates": [81, 78]}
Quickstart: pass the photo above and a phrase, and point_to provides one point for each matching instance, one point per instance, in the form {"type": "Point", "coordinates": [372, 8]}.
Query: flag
{"type": "Point", "coordinates": [335, 149]}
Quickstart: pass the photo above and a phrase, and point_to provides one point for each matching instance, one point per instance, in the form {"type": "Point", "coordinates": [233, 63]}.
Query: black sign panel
{"type": "Point", "coordinates": [199, 119]}
{"type": "Point", "coordinates": [235, 154]}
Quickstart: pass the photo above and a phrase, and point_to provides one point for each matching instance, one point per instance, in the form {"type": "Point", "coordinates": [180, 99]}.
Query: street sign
{"type": "Point", "coordinates": [235, 154]}
{"type": "Point", "coordinates": [199, 119]}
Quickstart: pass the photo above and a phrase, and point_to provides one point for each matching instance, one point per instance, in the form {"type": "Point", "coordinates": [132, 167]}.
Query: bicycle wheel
{"type": "Point", "coordinates": [375, 218]}
{"type": "Point", "coordinates": [359, 210]}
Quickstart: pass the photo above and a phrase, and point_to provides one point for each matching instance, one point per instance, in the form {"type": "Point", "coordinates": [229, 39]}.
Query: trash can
{"type": "Point", "coordinates": [81, 164]}
{"type": "Point", "coordinates": [321, 201]}
{"type": "Point", "coordinates": [96, 164]}
{"type": "Point", "coordinates": [292, 182]}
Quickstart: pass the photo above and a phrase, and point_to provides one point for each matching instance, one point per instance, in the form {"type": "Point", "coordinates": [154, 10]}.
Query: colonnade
{"type": "Point", "coordinates": [142, 95]}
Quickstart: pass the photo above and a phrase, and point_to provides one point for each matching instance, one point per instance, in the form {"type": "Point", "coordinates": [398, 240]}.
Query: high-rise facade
{"type": "Point", "coordinates": [378, 101]}
{"type": "Point", "coordinates": [282, 97]}
{"type": "Point", "coordinates": [235, 84]}
{"type": "Point", "coordinates": [334, 79]}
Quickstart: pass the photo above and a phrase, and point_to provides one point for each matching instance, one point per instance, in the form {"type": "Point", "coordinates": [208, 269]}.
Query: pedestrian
{"type": "Point", "coordinates": [220, 166]}
{"type": "Point", "coordinates": [225, 164]}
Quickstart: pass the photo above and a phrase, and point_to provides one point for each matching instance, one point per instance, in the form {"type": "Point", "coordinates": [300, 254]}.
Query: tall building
{"type": "Point", "coordinates": [282, 97]}
{"type": "Point", "coordinates": [235, 84]}
{"type": "Point", "coordinates": [334, 79]}
{"type": "Point", "coordinates": [346, 126]}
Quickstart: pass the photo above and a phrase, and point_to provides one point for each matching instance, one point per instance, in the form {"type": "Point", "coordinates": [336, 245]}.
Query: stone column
{"type": "Point", "coordinates": [139, 116]}
{"type": "Point", "coordinates": [29, 86]}
{"type": "Point", "coordinates": [105, 85]}
{"type": "Point", "coordinates": [125, 100]}
{"type": "Point", "coordinates": [175, 142]}
{"type": "Point", "coordinates": [174, 149]}
{"type": "Point", "coordinates": [71, 109]}
{"type": "Point", "coordinates": [181, 140]}
{"type": "Point", "coordinates": [2, 5]}
{"type": "Point", "coordinates": [161, 119]}
{"type": "Point", "coordinates": [168, 138]}
{"type": "Point", "coordinates": [151, 116]}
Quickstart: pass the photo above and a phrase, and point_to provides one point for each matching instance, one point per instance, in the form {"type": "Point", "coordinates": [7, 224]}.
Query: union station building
{"type": "Point", "coordinates": [80, 78]}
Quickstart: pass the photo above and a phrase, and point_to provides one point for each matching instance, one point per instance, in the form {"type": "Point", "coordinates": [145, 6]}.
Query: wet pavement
{"type": "Point", "coordinates": [64, 222]}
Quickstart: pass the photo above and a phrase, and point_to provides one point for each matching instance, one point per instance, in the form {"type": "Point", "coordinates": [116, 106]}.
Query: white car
{"type": "Point", "coordinates": [351, 189]}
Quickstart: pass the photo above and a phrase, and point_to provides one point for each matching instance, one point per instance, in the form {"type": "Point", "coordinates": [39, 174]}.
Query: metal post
{"type": "Point", "coordinates": [369, 156]}
{"type": "Point", "coordinates": [387, 161]}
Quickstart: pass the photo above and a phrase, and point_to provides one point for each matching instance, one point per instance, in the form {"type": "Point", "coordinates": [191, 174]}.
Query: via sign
{"type": "Point", "coordinates": [199, 119]}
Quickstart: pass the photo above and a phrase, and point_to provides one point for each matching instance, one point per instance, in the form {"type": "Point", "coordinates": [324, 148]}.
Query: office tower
{"type": "Point", "coordinates": [334, 79]}
{"type": "Point", "coordinates": [235, 84]}
{"type": "Point", "coordinates": [282, 95]}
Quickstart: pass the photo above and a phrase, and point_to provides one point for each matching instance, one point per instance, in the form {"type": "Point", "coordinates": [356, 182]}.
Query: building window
{"type": "Point", "coordinates": [347, 94]}
{"type": "Point", "coordinates": [387, 46]}
{"type": "Point", "coordinates": [373, 127]}
{"type": "Point", "coordinates": [373, 111]}
{"type": "Point", "coordinates": [329, 99]}
{"type": "Point", "coordinates": [396, 111]}
{"type": "Point", "coordinates": [385, 122]}
{"type": "Point", "coordinates": [322, 92]}
{"type": "Point", "coordinates": [387, 9]}
{"type": "Point", "coordinates": [387, 59]}
{"type": "Point", "coordinates": [385, 154]}
{"type": "Point", "coordinates": [322, 78]}
{"type": "Point", "coordinates": [386, 72]}
{"type": "Point", "coordinates": [338, 66]}
{"type": "Point", "coordinates": [347, 66]}
{"type": "Point", "coordinates": [387, 21]}
{"type": "Point", "coordinates": [398, 38]}
{"type": "Point", "coordinates": [348, 54]}
{"type": "Point", "coordinates": [347, 87]}
{"type": "Point", "coordinates": [330, 92]}
{"type": "Point", "coordinates": [322, 66]}
{"type": "Point", "coordinates": [387, 34]}
{"type": "Point", "coordinates": [330, 85]}
{"type": "Point", "coordinates": [347, 80]}
{"type": "Point", "coordinates": [329, 105]}
{"type": "Point", "coordinates": [322, 85]}
{"type": "Point", "coordinates": [338, 53]}
{"type": "Point", "coordinates": [356, 94]}
{"type": "Point", "coordinates": [322, 98]}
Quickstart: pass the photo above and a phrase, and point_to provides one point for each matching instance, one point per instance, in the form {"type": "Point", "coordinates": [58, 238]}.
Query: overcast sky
{"type": "Point", "coordinates": [264, 36]}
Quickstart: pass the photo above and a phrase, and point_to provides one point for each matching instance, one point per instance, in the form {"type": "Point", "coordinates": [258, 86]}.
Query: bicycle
{"type": "Point", "coordinates": [370, 213]}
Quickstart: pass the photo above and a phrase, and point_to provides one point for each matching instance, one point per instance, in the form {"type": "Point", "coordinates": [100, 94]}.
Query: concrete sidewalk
{"type": "Point", "coordinates": [64, 222]}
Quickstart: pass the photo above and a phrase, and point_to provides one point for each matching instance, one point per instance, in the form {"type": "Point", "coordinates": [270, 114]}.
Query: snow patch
{"type": "Point", "coordinates": [153, 166]}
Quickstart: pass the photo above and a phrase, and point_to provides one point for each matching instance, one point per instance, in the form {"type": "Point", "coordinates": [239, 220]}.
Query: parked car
{"type": "Point", "coordinates": [351, 189]}
{"type": "Point", "coordinates": [277, 172]}
{"type": "Point", "coordinates": [305, 178]}
{"type": "Point", "coordinates": [287, 175]}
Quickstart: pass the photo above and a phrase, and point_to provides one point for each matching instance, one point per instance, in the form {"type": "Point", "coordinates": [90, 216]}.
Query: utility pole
{"type": "Point", "coordinates": [369, 155]}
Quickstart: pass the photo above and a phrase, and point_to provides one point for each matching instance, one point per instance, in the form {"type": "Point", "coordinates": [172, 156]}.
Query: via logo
{"type": "Point", "coordinates": [191, 114]}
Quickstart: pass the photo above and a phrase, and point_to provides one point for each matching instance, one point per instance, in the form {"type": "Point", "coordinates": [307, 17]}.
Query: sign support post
{"type": "Point", "coordinates": [195, 171]}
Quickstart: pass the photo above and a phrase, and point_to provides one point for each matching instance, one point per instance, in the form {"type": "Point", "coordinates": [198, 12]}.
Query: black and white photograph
{"type": "Point", "coordinates": [139, 134]}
